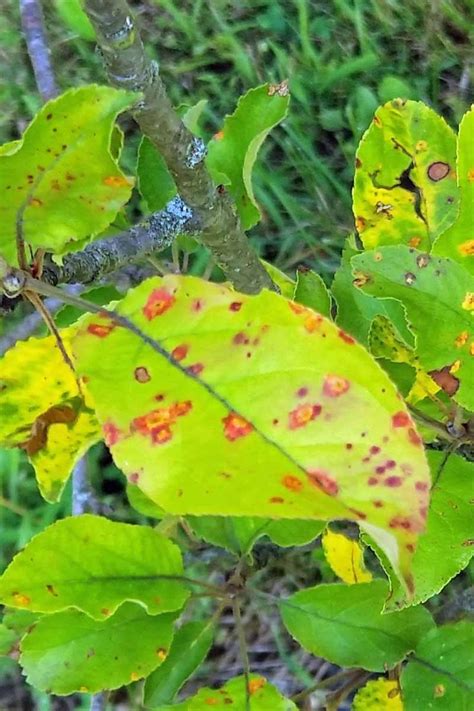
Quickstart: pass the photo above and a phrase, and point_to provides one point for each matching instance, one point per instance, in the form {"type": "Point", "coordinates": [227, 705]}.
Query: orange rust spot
{"type": "Point", "coordinates": [471, 349]}
{"type": "Point", "coordinates": [360, 224]}
{"type": "Point", "coordinates": [276, 500]}
{"type": "Point", "coordinates": [439, 691]}
{"type": "Point", "coordinates": [111, 433]}
{"type": "Point", "coordinates": [218, 136]}
{"type": "Point", "coordinates": [468, 303]}
{"type": "Point", "coordinates": [323, 481]}
{"type": "Point", "coordinates": [297, 308]}
{"type": "Point", "coordinates": [401, 419]}
{"type": "Point", "coordinates": [466, 248]}
{"type": "Point", "coordinates": [236, 426]}
{"type": "Point", "coordinates": [161, 654]}
{"type": "Point", "coordinates": [461, 340]}
{"type": "Point", "coordinates": [377, 121]}
{"type": "Point", "coordinates": [345, 337]}
{"type": "Point", "coordinates": [36, 202]}
{"type": "Point", "coordinates": [134, 676]}
{"type": "Point", "coordinates": [159, 301]}
{"type": "Point", "coordinates": [292, 482]}
{"type": "Point", "coordinates": [180, 352]}
{"type": "Point", "coordinates": [256, 684]}
{"type": "Point", "coordinates": [414, 241]}
{"type": "Point", "coordinates": [421, 146]}
{"type": "Point", "coordinates": [312, 322]}
{"type": "Point", "coordinates": [157, 423]}
{"type": "Point", "coordinates": [21, 600]}
{"type": "Point", "coordinates": [178, 409]}
{"type": "Point", "coordinates": [101, 330]}
{"type": "Point", "coordinates": [470, 175]}
{"type": "Point", "coordinates": [116, 181]}
{"type": "Point", "coordinates": [300, 416]}
{"type": "Point", "coordinates": [105, 611]}
{"type": "Point", "coordinates": [335, 385]}
{"type": "Point", "coordinates": [211, 701]}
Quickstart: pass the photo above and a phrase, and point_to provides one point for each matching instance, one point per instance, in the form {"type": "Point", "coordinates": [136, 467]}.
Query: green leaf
{"type": "Point", "coordinates": [238, 534]}
{"type": "Point", "coordinates": [233, 150]}
{"type": "Point", "coordinates": [392, 87]}
{"type": "Point", "coordinates": [441, 674]}
{"type": "Point", "coordinates": [345, 624]}
{"type": "Point", "coordinates": [72, 14]}
{"type": "Point", "coordinates": [142, 503]}
{"type": "Point", "coordinates": [303, 442]}
{"type": "Point", "coordinates": [405, 188]}
{"type": "Point", "coordinates": [312, 291]}
{"type": "Point", "coordinates": [62, 184]}
{"type": "Point", "coordinates": [356, 310]}
{"type": "Point", "coordinates": [458, 241]}
{"type": "Point", "coordinates": [448, 536]}
{"type": "Point", "coordinates": [434, 291]}
{"type": "Point", "coordinates": [68, 651]}
{"type": "Point", "coordinates": [155, 183]}
{"type": "Point", "coordinates": [190, 647]}
{"type": "Point", "coordinates": [263, 697]}
{"type": "Point", "coordinates": [95, 565]}
{"type": "Point", "coordinates": [285, 283]}
{"type": "Point", "coordinates": [43, 411]}
{"type": "Point", "coordinates": [8, 639]}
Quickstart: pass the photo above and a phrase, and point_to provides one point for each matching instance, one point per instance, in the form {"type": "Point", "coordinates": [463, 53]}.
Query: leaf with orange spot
{"type": "Point", "coordinates": [457, 242]}
{"type": "Point", "coordinates": [62, 183]}
{"type": "Point", "coordinates": [232, 154]}
{"type": "Point", "coordinates": [346, 557]}
{"type": "Point", "coordinates": [405, 189]}
{"type": "Point", "coordinates": [67, 651]}
{"type": "Point", "coordinates": [378, 695]}
{"type": "Point", "coordinates": [43, 411]}
{"type": "Point", "coordinates": [232, 449]}
{"type": "Point", "coordinates": [435, 292]}
{"type": "Point", "coordinates": [263, 697]}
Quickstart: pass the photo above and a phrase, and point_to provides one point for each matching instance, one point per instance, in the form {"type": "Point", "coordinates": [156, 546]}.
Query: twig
{"type": "Point", "coordinates": [38, 51]}
{"type": "Point", "coordinates": [128, 67]}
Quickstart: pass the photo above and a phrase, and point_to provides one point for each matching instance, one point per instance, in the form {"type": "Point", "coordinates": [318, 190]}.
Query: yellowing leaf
{"type": "Point", "coordinates": [378, 695]}
{"type": "Point", "coordinates": [346, 557]}
{"type": "Point", "coordinates": [242, 405]}
{"type": "Point", "coordinates": [43, 411]}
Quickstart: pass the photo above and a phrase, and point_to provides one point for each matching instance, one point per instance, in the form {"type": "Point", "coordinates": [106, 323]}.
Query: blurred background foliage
{"type": "Point", "coordinates": [342, 57]}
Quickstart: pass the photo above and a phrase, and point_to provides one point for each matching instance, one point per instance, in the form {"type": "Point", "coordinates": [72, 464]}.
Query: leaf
{"type": "Point", "coordinates": [238, 534]}
{"type": "Point", "coordinates": [62, 184]}
{"type": "Point", "coordinates": [8, 640]}
{"type": "Point", "coordinates": [233, 150]}
{"type": "Point", "coordinates": [378, 695]}
{"type": "Point", "coordinates": [458, 240]}
{"type": "Point", "coordinates": [434, 291]}
{"type": "Point", "coordinates": [356, 310]}
{"type": "Point", "coordinates": [155, 183]}
{"type": "Point", "coordinates": [285, 283]}
{"type": "Point", "coordinates": [43, 411]}
{"type": "Point", "coordinates": [441, 674]}
{"type": "Point", "coordinates": [290, 444]}
{"type": "Point", "coordinates": [312, 291]}
{"type": "Point", "coordinates": [448, 536]}
{"type": "Point", "coordinates": [345, 624]}
{"type": "Point", "coordinates": [405, 188]}
{"type": "Point", "coordinates": [95, 565]}
{"type": "Point", "coordinates": [346, 557]}
{"type": "Point", "coordinates": [68, 651]}
{"type": "Point", "coordinates": [74, 17]}
{"type": "Point", "coordinates": [263, 697]}
{"type": "Point", "coordinates": [189, 649]}
{"type": "Point", "coordinates": [142, 503]}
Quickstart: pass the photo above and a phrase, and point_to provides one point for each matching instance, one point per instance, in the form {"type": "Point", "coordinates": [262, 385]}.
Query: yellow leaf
{"type": "Point", "coordinates": [378, 695]}
{"type": "Point", "coordinates": [345, 557]}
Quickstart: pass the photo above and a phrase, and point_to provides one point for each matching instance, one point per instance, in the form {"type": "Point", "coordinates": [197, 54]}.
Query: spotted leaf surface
{"type": "Point", "coordinates": [233, 150]}
{"type": "Point", "coordinates": [62, 184]}
{"type": "Point", "coordinates": [345, 624]}
{"type": "Point", "coordinates": [94, 564]}
{"type": "Point", "coordinates": [438, 295]}
{"type": "Point", "coordinates": [441, 675]}
{"type": "Point", "coordinates": [378, 695]}
{"type": "Point", "coordinates": [68, 651]}
{"type": "Point", "coordinates": [458, 241]}
{"type": "Point", "coordinates": [43, 411]}
{"type": "Point", "coordinates": [405, 189]}
{"type": "Point", "coordinates": [263, 697]}
{"type": "Point", "coordinates": [315, 431]}
{"type": "Point", "coordinates": [346, 557]}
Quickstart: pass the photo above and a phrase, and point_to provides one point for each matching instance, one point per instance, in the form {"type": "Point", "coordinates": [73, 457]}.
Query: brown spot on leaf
{"type": "Point", "coordinates": [410, 278]}
{"type": "Point", "coordinates": [335, 386]}
{"type": "Point", "coordinates": [323, 481]}
{"type": "Point", "coordinates": [180, 352]}
{"type": "Point", "coordinates": [467, 248]}
{"type": "Point", "coordinates": [141, 374]}
{"type": "Point", "coordinates": [423, 260]}
{"type": "Point", "coordinates": [300, 416]}
{"type": "Point", "coordinates": [159, 301]}
{"type": "Point", "coordinates": [235, 426]}
{"type": "Point", "coordinates": [437, 171]}
{"type": "Point", "coordinates": [116, 181]}
{"type": "Point", "coordinates": [235, 306]}
{"type": "Point", "coordinates": [292, 482]}
{"type": "Point", "coordinates": [446, 381]}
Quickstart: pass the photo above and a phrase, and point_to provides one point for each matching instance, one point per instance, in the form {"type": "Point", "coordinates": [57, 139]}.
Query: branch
{"type": "Point", "coordinates": [33, 27]}
{"type": "Point", "coordinates": [129, 68]}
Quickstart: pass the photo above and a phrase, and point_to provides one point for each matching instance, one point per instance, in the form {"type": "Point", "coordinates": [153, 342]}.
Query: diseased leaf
{"type": "Point", "coordinates": [189, 649]}
{"type": "Point", "coordinates": [356, 310]}
{"type": "Point", "coordinates": [312, 291]}
{"type": "Point", "coordinates": [405, 188]}
{"type": "Point", "coordinates": [233, 150]}
{"type": "Point", "coordinates": [378, 695]}
{"type": "Point", "coordinates": [440, 676]}
{"type": "Point", "coordinates": [438, 295]}
{"type": "Point", "coordinates": [301, 432]}
{"type": "Point", "coordinates": [346, 625]}
{"type": "Point", "coordinates": [43, 411]}
{"type": "Point", "coordinates": [263, 697]}
{"type": "Point", "coordinates": [68, 651]}
{"type": "Point", "coordinates": [346, 557]}
{"type": "Point", "coordinates": [62, 184]}
{"type": "Point", "coordinates": [95, 565]}
{"type": "Point", "coordinates": [458, 240]}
